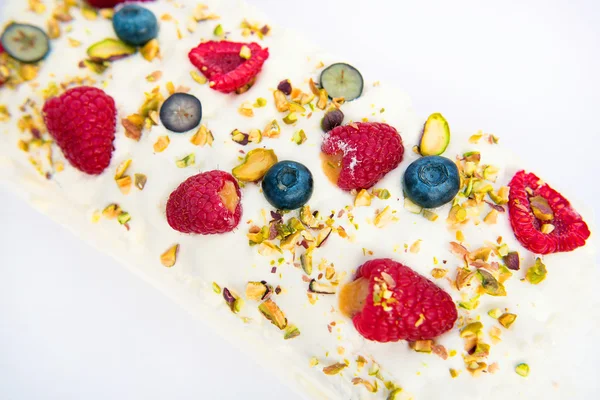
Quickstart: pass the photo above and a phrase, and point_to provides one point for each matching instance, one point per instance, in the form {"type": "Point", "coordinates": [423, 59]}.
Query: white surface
{"type": "Point", "coordinates": [77, 325]}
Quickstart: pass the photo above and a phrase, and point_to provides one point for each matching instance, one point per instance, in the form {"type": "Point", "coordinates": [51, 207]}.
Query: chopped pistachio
{"type": "Point", "coordinates": [197, 77]}
{"type": "Point", "coordinates": [422, 346]}
{"type": "Point", "coordinates": [246, 109]}
{"type": "Point", "coordinates": [169, 257]}
{"type": "Point", "coordinates": [291, 332]}
{"type": "Point", "coordinates": [272, 129]}
{"type": "Point", "coordinates": [256, 290]}
{"type": "Point", "coordinates": [245, 52]}
{"type": "Point", "coordinates": [384, 217]}
{"type": "Point", "coordinates": [273, 313]}
{"type": "Point", "coordinates": [112, 211]}
{"type": "Point", "coordinates": [334, 369]}
{"type": "Point", "coordinates": [454, 373]}
{"type": "Point", "coordinates": [522, 369]}
{"type": "Point", "coordinates": [202, 137]}
{"type": "Point", "coordinates": [382, 194]}
{"type": "Point", "coordinates": [507, 319]}
{"type": "Point", "coordinates": [161, 144]}
{"type": "Point", "coordinates": [470, 304]}
{"type": "Point", "coordinates": [255, 165]}
{"type": "Point", "coordinates": [430, 215]}
{"type": "Point", "coordinates": [409, 205]}
{"type": "Point", "coordinates": [281, 103]}
{"type": "Point", "coordinates": [415, 247]}
{"type": "Point", "coordinates": [218, 31]}
{"type": "Point", "coordinates": [495, 313]}
{"type": "Point", "coordinates": [150, 50]}
{"type": "Point", "coordinates": [124, 218]}
{"type": "Point", "coordinates": [254, 136]}
{"type": "Point", "coordinates": [313, 362]}
{"type": "Point", "coordinates": [216, 288]}
{"type": "Point", "coordinates": [290, 119]}
{"type": "Point", "coordinates": [363, 198]}
{"type": "Point", "coordinates": [306, 261]}
{"type": "Point", "coordinates": [323, 235]}
{"type": "Point", "coordinates": [186, 161]}
{"type": "Point", "coordinates": [439, 273]}
{"type": "Point", "coordinates": [491, 218]}
{"type": "Point", "coordinates": [260, 102]}
{"type": "Point", "coordinates": [512, 260]}
{"type": "Point", "coordinates": [547, 228]}
{"type": "Point", "coordinates": [471, 329]}
{"type": "Point", "coordinates": [490, 284]}
{"type": "Point", "coordinates": [501, 197]}
{"type": "Point", "coordinates": [537, 273]}
{"type": "Point", "coordinates": [124, 184]}
{"type": "Point", "coordinates": [122, 168]}
{"type": "Point", "coordinates": [541, 209]}
{"type": "Point", "coordinates": [299, 137]}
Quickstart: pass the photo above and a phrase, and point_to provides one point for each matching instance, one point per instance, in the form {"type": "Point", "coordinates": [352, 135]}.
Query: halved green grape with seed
{"type": "Point", "coordinates": [342, 80]}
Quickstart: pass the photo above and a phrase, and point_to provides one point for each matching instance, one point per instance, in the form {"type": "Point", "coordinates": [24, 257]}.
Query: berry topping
{"type": "Point", "coordinates": [358, 155]}
{"type": "Point", "coordinates": [25, 43]}
{"type": "Point", "coordinates": [83, 121]}
{"type": "Point", "coordinates": [332, 119]}
{"type": "Point", "coordinates": [542, 219]}
{"type": "Point", "coordinates": [436, 136]}
{"type": "Point", "coordinates": [181, 112]}
{"type": "Point", "coordinates": [342, 80]}
{"type": "Point", "coordinates": [389, 302]}
{"type": "Point", "coordinates": [229, 66]}
{"type": "Point", "coordinates": [135, 25]}
{"type": "Point", "coordinates": [207, 203]}
{"type": "Point", "coordinates": [431, 181]}
{"type": "Point", "coordinates": [288, 185]}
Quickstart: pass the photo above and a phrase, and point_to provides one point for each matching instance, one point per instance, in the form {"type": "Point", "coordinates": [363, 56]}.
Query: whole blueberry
{"type": "Point", "coordinates": [287, 185]}
{"type": "Point", "coordinates": [135, 25]}
{"type": "Point", "coordinates": [431, 181]}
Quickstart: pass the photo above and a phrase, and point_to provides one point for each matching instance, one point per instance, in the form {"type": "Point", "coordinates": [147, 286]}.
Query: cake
{"type": "Point", "coordinates": [91, 143]}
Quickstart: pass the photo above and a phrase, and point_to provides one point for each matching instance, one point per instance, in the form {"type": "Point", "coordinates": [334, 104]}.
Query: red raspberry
{"type": "Point", "coordinates": [109, 3]}
{"type": "Point", "coordinates": [570, 231]}
{"type": "Point", "coordinates": [362, 153]}
{"type": "Point", "coordinates": [389, 302]}
{"type": "Point", "coordinates": [221, 63]}
{"type": "Point", "coordinates": [206, 203]}
{"type": "Point", "coordinates": [82, 121]}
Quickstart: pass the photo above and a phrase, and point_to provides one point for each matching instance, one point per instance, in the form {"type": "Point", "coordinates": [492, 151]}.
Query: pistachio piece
{"type": "Point", "coordinates": [394, 394]}
{"type": "Point", "coordinates": [522, 369]}
{"type": "Point", "coordinates": [501, 197]}
{"type": "Point", "coordinates": [306, 260]}
{"type": "Point", "coordinates": [363, 198]}
{"type": "Point", "coordinates": [202, 137]}
{"type": "Point", "coordinates": [430, 215]}
{"type": "Point", "coordinates": [219, 31]}
{"type": "Point", "coordinates": [436, 135]}
{"type": "Point", "coordinates": [308, 218]}
{"type": "Point", "coordinates": [112, 211]}
{"type": "Point", "coordinates": [109, 50]}
{"type": "Point", "coordinates": [490, 284]}
{"type": "Point", "coordinates": [422, 346]}
{"type": "Point", "coordinates": [289, 243]}
{"type": "Point", "coordinates": [240, 137]}
{"type": "Point", "coordinates": [186, 161]}
{"type": "Point", "coordinates": [537, 273]}
{"type": "Point", "coordinates": [507, 319]}
{"type": "Point", "coordinates": [281, 102]}
{"type": "Point", "coordinates": [321, 288]}
{"type": "Point", "coordinates": [124, 218]}
{"type": "Point", "coordinates": [384, 217]}
{"type": "Point", "coordinates": [161, 144]}
{"type": "Point", "coordinates": [255, 136]}
{"type": "Point", "coordinates": [140, 181]}
{"type": "Point", "coordinates": [257, 290]}
{"type": "Point", "coordinates": [323, 235]}
{"type": "Point", "coordinates": [382, 194]}
{"type": "Point", "coordinates": [412, 207]}
{"type": "Point", "coordinates": [285, 86]}
{"type": "Point", "coordinates": [255, 165]}
{"type": "Point", "coordinates": [169, 257]}
{"type": "Point", "coordinates": [299, 137]}
{"type": "Point", "coordinates": [334, 369]}
{"type": "Point", "coordinates": [290, 119]}
{"type": "Point", "coordinates": [512, 261]}
{"type": "Point", "coordinates": [150, 50]}
{"type": "Point", "coordinates": [273, 313]}
{"type": "Point", "coordinates": [122, 168]}
{"type": "Point", "coordinates": [541, 209]}
{"type": "Point", "coordinates": [124, 184]}
{"type": "Point", "coordinates": [272, 130]}
{"type": "Point", "coordinates": [471, 329]}
{"type": "Point", "coordinates": [547, 228]}
{"type": "Point", "coordinates": [291, 332]}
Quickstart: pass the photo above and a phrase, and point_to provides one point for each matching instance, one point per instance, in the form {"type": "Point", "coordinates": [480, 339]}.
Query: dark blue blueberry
{"type": "Point", "coordinates": [181, 112]}
{"type": "Point", "coordinates": [25, 43]}
{"type": "Point", "coordinates": [135, 25]}
{"type": "Point", "coordinates": [288, 185]}
{"type": "Point", "coordinates": [431, 181]}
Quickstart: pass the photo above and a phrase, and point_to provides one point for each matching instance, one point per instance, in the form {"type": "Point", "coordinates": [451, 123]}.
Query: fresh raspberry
{"type": "Point", "coordinates": [109, 3]}
{"type": "Point", "coordinates": [368, 151]}
{"type": "Point", "coordinates": [391, 302]}
{"type": "Point", "coordinates": [206, 203]}
{"type": "Point", "coordinates": [570, 231]}
{"type": "Point", "coordinates": [82, 121]}
{"type": "Point", "coordinates": [222, 64]}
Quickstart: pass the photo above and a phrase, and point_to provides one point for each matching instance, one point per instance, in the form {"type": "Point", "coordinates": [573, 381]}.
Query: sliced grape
{"type": "Point", "coordinates": [25, 43]}
{"type": "Point", "coordinates": [181, 112]}
{"type": "Point", "coordinates": [342, 80]}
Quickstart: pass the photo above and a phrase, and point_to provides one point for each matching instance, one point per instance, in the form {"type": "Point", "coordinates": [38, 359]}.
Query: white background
{"type": "Point", "coordinates": [75, 325]}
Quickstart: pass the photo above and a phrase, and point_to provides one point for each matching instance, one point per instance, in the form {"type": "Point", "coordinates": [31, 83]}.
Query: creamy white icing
{"type": "Point", "coordinates": [550, 315]}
